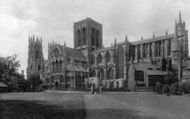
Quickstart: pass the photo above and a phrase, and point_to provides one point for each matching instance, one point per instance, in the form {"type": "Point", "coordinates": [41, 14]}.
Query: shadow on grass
{"type": "Point", "coordinates": [109, 113]}
{"type": "Point", "coordinates": [13, 109]}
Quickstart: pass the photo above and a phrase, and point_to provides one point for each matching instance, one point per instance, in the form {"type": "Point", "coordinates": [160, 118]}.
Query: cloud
{"type": "Point", "coordinates": [53, 20]}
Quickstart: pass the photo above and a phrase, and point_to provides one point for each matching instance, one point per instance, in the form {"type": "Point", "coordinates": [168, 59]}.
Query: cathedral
{"type": "Point", "coordinates": [124, 64]}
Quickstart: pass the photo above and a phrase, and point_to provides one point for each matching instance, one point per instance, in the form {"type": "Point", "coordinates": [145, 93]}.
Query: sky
{"type": "Point", "coordinates": [53, 21]}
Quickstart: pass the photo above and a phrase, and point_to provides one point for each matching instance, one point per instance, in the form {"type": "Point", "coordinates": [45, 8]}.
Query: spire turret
{"type": "Point", "coordinates": [126, 38]}
{"type": "Point", "coordinates": [141, 38]}
{"type": "Point", "coordinates": [180, 19]}
{"type": "Point", "coordinates": [153, 35]}
{"type": "Point", "coordinates": [166, 32]}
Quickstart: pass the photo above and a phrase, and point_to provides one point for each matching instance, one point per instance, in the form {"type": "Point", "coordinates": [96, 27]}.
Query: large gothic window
{"type": "Point", "coordinates": [79, 38]}
{"type": "Point", "coordinates": [150, 49]}
{"type": "Point", "coordinates": [138, 52]}
{"type": "Point", "coordinates": [159, 51]}
{"type": "Point", "coordinates": [93, 37]}
{"type": "Point", "coordinates": [99, 58]}
{"type": "Point", "coordinates": [132, 52]}
{"type": "Point", "coordinates": [84, 36]}
{"type": "Point", "coordinates": [144, 50]}
{"type": "Point", "coordinates": [107, 56]}
{"type": "Point", "coordinates": [127, 54]}
{"type": "Point", "coordinates": [93, 73]}
{"type": "Point", "coordinates": [92, 59]}
{"type": "Point", "coordinates": [101, 74]}
{"type": "Point", "coordinates": [169, 47]}
{"type": "Point", "coordinates": [37, 54]}
{"type": "Point", "coordinates": [157, 48]}
{"type": "Point", "coordinates": [120, 62]}
{"type": "Point", "coordinates": [97, 38]}
{"type": "Point", "coordinates": [110, 74]}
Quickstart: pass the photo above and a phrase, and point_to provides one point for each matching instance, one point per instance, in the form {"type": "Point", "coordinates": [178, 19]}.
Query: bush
{"type": "Point", "coordinates": [174, 89]}
{"type": "Point", "coordinates": [158, 87]}
{"type": "Point", "coordinates": [185, 87]}
{"type": "Point", "coordinates": [166, 89]}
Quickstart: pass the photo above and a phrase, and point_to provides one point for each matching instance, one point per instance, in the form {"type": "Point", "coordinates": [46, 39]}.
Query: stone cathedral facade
{"type": "Point", "coordinates": [122, 65]}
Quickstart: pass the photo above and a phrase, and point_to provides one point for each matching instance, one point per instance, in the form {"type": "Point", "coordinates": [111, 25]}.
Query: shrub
{"type": "Point", "coordinates": [185, 87]}
{"type": "Point", "coordinates": [166, 89]}
{"type": "Point", "coordinates": [158, 87]}
{"type": "Point", "coordinates": [174, 88]}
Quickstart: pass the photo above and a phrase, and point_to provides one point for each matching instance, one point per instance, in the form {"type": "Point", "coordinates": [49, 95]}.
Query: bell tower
{"type": "Point", "coordinates": [87, 36]}
{"type": "Point", "coordinates": [180, 42]}
{"type": "Point", "coordinates": [35, 56]}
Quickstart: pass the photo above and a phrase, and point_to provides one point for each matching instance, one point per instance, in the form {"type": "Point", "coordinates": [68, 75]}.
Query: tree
{"type": "Point", "coordinates": [8, 65]}
{"type": "Point", "coordinates": [34, 81]}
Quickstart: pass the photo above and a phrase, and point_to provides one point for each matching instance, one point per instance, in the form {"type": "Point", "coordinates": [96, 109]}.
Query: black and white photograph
{"type": "Point", "coordinates": [94, 59]}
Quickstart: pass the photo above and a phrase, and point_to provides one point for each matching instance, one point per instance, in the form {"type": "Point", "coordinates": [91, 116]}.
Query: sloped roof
{"type": "Point", "coordinates": [150, 69]}
{"type": "Point", "coordinates": [140, 66]}
{"type": "Point", "coordinates": [3, 85]}
{"type": "Point", "coordinates": [104, 49]}
{"type": "Point", "coordinates": [74, 67]}
{"type": "Point", "coordinates": [153, 39]}
{"type": "Point", "coordinates": [71, 52]}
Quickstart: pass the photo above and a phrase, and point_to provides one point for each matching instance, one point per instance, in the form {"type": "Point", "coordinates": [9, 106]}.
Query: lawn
{"type": "Point", "coordinates": [41, 106]}
{"type": "Point", "coordinates": [131, 105]}
{"type": "Point", "coordinates": [77, 105]}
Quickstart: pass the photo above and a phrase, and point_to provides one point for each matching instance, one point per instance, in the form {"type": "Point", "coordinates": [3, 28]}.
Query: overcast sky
{"type": "Point", "coordinates": [53, 20]}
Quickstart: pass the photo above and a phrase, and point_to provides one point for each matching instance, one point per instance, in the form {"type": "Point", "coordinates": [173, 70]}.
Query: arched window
{"type": "Point", "coordinates": [92, 59]}
{"type": "Point", "coordinates": [99, 58]}
{"type": "Point", "coordinates": [37, 54]}
{"type": "Point", "coordinates": [84, 36]}
{"type": "Point", "coordinates": [93, 73]}
{"type": "Point", "coordinates": [97, 38]}
{"type": "Point", "coordinates": [120, 63]}
{"type": "Point", "coordinates": [92, 36]}
{"type": "Point", "coordinates": [101, 74]}
{"type": "Point", "coordinates": [56, 66]}
{"type": "Point", "coordinates": [150, 49]}
{"type": "Point", "coordinates": [169, 47]}
{"type": "Point", "coordinates": [53, 64]}
{"type": "Point", "coordinates": [110, 74]}
{"type": "Point", "coordinates": [107, 56]}
{"type": "Point", "coordinates": [60, 66]}
{"type": "Point", "coordinates": [79, 38]}
{"type": "Point", "coordinates": [39, 67]}
{"type": "Point", "coordinates": [138, 51]}
{"type": "Point", "coordinates": [132, 52]}
{"type": "Point", "coordinates": [127, 54]}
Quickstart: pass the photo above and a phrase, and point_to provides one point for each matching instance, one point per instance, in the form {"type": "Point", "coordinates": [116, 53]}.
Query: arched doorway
{"type": "Point", "coordinates": [117, 84]}
{"type": "Point", "coordinates": [56, 85]}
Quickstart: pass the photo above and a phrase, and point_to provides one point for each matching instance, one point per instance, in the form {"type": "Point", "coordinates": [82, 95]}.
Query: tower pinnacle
{"type": "Point", "coordinates": [180, 19]}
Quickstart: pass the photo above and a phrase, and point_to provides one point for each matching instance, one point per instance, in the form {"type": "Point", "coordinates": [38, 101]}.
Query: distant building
{"type": "Point", "coordinates": [35, 56]}
{"type": "Point", "coordinates": [3, 87]}
{"type": "Point", "coordinates": [122, 65]}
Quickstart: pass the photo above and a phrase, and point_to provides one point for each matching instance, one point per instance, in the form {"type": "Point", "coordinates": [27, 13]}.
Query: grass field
{"type": "Point", "coordinates": [80, 105]}
{"type": "Point", "coordinates": [41, 106]}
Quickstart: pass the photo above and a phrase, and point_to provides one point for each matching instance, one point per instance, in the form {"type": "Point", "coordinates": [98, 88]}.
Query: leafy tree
{"type": "Point", "coordinates": [34, 81]}
{"type": "Point", "coordinates": [8, 65]}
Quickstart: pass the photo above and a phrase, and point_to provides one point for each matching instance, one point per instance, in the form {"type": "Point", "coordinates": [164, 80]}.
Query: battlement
{"type": "Point", "coordinates": [35, 40]}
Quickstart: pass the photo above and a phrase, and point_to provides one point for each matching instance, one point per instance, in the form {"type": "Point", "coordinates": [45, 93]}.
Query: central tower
{"type": "Point", "coordinates": [35, 56]}
{"type": "Point", "coordinates": [180, 44]}
{"type": "Point", "coordinates": [87, 36]}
